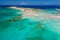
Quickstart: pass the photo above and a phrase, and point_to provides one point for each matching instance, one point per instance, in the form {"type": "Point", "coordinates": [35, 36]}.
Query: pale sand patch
{"type": "Point", "coordinates": [30, 12]}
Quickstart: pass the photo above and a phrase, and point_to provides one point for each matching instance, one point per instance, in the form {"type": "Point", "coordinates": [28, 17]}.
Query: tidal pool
{"type": "Point", "coordinates": [29, 24]}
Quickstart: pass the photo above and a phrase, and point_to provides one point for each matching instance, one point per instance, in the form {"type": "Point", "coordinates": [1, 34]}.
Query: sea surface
{"type": "Point", "coordinates": [29, 24]}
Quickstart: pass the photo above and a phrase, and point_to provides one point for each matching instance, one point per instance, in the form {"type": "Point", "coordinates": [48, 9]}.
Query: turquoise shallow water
{"type": "Point", "coordinates": [14, 27]}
